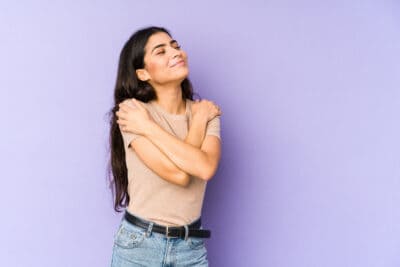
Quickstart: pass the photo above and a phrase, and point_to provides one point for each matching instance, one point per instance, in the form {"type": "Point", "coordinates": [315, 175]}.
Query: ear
{"type": "Point", "coordinates": [143, 75]}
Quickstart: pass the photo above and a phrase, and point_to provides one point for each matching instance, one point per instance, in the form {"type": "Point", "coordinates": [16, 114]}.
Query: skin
{"type": "Point", "coordinates": [170, 157]}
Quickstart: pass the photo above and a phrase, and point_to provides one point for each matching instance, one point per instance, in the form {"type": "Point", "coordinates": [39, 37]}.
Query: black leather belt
{"type": "Point", "coordinates": [193, 229]}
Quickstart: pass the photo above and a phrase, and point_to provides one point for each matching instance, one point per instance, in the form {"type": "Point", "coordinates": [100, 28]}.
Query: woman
{"type": "Point", "coordinates": [164, 148]}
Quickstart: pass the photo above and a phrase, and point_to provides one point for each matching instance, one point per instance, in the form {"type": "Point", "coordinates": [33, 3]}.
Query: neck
{"type": "Point", "coordinates": [169, 97]}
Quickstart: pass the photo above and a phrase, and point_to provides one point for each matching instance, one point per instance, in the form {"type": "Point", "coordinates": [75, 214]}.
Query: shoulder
{"type": "Point", "coordinates": [190, 102]}
{"type": "Point", "coordinates": [128, 101]}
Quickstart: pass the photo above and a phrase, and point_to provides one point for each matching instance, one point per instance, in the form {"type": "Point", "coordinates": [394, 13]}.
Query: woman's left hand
{"type": "Point", "coordinates": [133, 117]}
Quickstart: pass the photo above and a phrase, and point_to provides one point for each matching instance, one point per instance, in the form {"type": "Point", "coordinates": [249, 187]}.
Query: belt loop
{"type": "Point", "coordinates": [149, 229]}
{"type": "Point", "coordinates": [186, 231]}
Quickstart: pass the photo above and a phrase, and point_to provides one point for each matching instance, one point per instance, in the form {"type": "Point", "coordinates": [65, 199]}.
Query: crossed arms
{"type": "Point", "coordinates": [171, 158]}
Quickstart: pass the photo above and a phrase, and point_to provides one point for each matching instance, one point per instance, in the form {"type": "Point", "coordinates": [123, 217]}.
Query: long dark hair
{"type": "Point", "coordinates": [129, 86]}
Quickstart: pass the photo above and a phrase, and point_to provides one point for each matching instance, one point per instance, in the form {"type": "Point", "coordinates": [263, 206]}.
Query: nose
{"type": "Point", "coordinates": [176, 53]}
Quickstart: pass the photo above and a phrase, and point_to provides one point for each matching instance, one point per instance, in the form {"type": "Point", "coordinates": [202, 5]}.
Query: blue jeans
{"type": "Point", "coordinates": [135, 246]}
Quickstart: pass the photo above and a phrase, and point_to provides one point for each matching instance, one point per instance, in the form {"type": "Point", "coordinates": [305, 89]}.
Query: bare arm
{"type": "Point", "coordinates": [196, 134]}
{"type": "Point", "coordinates": [160, 163]}
{"type": "Point", "coordinates": [200, 162]}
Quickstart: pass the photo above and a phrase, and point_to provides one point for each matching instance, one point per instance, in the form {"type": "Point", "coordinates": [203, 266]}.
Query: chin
{"type": "Point", "coordinates": [177, 76]}
{"type": "Point", "coordinates": [181, 75]}
{"type": "Point", "coordinates": [184, 71]}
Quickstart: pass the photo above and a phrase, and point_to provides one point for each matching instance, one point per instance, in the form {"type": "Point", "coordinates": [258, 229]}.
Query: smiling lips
{"type": "Point", "coordinates": [178, 63]}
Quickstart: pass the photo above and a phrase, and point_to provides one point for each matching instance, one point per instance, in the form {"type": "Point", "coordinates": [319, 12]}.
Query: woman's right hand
{"type": "Point", "coordinates": [133, 116]}
{"type": "Point", "coordinates": [205, 109]}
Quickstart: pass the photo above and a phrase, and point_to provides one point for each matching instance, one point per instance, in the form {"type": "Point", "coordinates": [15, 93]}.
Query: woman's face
{"type": "Point", "coordinates": [164, 61]}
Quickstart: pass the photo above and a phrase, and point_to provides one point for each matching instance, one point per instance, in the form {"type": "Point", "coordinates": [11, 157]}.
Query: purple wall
{"type": "Point", "coordinates": [310, 171]}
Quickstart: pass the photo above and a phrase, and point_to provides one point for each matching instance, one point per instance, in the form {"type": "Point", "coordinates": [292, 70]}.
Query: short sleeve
{"type": "Point", "coordinates": [213, 127]}
{"type": "Point", "coordinates": [128, 137]}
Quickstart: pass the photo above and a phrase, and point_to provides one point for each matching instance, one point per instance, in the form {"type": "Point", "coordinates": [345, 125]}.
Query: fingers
{"type": "Point", "coordinates": [211, 106]}
{"type": "Point", "coordinates": [122, 124]}
{"type": "Point", "coordinates": [216, 107]}
{"type": "Point", "coordinates": [137, 103]}
{"type": "Point", "coordinates": [121, 114]}
{"type": "Point", "coordinates": [126, 106]}
{"type": "Point", "coordinates": [123, 110]}
{"type": "Point", "coordinates": [129, 104]}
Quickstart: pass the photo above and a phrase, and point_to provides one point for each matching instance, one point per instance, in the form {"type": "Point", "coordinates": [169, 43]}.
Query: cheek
{"type": "Point", "coordinates": [155, 67]}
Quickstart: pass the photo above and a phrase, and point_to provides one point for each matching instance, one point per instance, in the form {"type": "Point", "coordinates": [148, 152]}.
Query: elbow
{"type": "Point", "coordinates": [182, 179]}
{"type": "Point", "coordinates": [209, 167]}
{"type": "Point", "coordinates": [207, 173]}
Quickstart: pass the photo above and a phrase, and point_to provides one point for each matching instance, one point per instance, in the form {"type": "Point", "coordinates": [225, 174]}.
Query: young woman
{"type": "Point", "coordinates": [164, 148]}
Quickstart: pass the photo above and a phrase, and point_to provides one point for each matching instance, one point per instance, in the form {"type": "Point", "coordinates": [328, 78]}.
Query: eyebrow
{"type": "Point", "coordinates": [162, 45]}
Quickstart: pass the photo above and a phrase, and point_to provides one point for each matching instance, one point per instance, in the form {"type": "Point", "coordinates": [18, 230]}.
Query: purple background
{"type": "Point", "coordinates": [310, 171]}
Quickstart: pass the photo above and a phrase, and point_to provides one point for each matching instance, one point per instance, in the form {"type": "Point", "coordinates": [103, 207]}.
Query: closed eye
{"type": "Point", "coordinates": [175, 44]}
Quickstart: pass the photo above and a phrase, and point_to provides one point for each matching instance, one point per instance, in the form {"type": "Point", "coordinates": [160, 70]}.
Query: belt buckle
{"type": "Point", "coordinates": [186, 232]}
{"type": "Point", "coordinates": [167, 232]}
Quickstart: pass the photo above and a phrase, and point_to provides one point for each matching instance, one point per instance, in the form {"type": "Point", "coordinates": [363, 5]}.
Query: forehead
{"type": "Point", "coordinates": [156, 39]}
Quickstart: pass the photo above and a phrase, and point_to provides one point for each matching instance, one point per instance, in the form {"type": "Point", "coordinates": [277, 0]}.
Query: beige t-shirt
{"type": "Point", "coordinates": [152, 197]}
